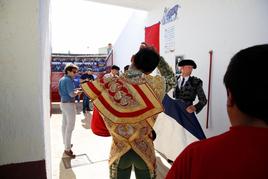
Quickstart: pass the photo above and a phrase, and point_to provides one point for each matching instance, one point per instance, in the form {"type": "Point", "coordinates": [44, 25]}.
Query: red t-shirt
{"type": "Point", "coordinates": [241, 153]}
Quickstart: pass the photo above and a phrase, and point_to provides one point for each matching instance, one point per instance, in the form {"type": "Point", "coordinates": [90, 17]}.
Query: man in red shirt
{"type": "Point", "coordinates": [241, 152]}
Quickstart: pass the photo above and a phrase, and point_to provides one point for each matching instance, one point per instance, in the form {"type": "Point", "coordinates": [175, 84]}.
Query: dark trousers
{"type": "Point", "coordinates": [86, 104]}
{"type": "Point", "coordinates": [122, 169]}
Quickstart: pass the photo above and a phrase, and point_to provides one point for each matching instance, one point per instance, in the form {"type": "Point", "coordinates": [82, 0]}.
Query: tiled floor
{"type": "Point", "coordinates": [92, 151]}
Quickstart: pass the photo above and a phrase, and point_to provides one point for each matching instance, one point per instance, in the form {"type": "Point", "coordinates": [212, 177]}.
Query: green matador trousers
{"type": "Point", "coordinates": [121, 169]}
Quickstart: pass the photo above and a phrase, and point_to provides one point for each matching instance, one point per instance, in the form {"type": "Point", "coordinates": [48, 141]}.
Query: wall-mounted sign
{"type": "Point", "coordinates": [169, 39]}
{"type": "Point", "coordinates": [170, 14]}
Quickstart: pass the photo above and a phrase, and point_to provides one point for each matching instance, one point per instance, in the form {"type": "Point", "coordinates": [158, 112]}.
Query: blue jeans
{"type": "Point", "coordinates": [77, 98]}
{"type": "Point", "coordinates": [86, 104]}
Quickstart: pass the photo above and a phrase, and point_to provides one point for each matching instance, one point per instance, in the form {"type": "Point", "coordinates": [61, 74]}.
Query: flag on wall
{"type": "Point", "coordinates": [152, 35]}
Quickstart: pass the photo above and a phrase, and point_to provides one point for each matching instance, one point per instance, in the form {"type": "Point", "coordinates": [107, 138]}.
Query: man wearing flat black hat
{"type": "Point", "coordinates": [188, 87]}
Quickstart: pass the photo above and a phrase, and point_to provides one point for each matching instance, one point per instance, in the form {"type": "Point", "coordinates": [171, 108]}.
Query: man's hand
{"type": "Point", "coordinates": [191, 109]}
{"type": "Point", "coordinates": [78, 92]}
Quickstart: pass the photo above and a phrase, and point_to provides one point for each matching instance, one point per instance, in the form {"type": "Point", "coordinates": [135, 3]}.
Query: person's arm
{"type": "Point", "coordinates": [71, 89]}
{"type": "Point", "coordinates": [167, 72]}
{"type": "Point", "coordinates": [202, 99]}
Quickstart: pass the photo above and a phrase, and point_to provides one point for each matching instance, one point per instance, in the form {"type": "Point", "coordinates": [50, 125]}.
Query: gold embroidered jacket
{"type": "Point", "coordinates": [129, 105]}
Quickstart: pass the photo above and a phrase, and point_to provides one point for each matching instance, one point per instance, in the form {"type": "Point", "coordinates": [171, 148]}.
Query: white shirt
{"type": "Point", "coordinates": [180, 80]}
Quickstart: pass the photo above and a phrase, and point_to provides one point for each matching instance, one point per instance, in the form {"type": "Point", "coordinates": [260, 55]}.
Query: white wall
{"type": "Point", "coordinates": [224, 26]}
{"type": "Point", "coordinates": [45, 57]}
{"type": "Point", "coordinates": [128, 42]}
{"type": "Point", "coordinates": [24, 42]}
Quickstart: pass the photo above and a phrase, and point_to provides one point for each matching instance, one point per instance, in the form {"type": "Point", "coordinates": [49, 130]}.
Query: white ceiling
{"type": "Point", "coordinates": [135, 4]}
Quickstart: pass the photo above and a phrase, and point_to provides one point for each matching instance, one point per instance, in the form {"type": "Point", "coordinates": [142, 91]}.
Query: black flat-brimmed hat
{"type": "Point", "coordinates": [187, 62]}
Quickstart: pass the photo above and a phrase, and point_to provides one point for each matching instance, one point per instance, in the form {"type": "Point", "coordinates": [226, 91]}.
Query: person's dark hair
{"type": "Point", "coordinates": [70, 67]}
{"type": "Point", "coordinates": [146, 60]}
{"type": "Point", "coordinates": [126, 68]}
{"type": "Point", "coordinates": [246, 79]}
{"type": "Point", "coordinates": [114, 67]}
